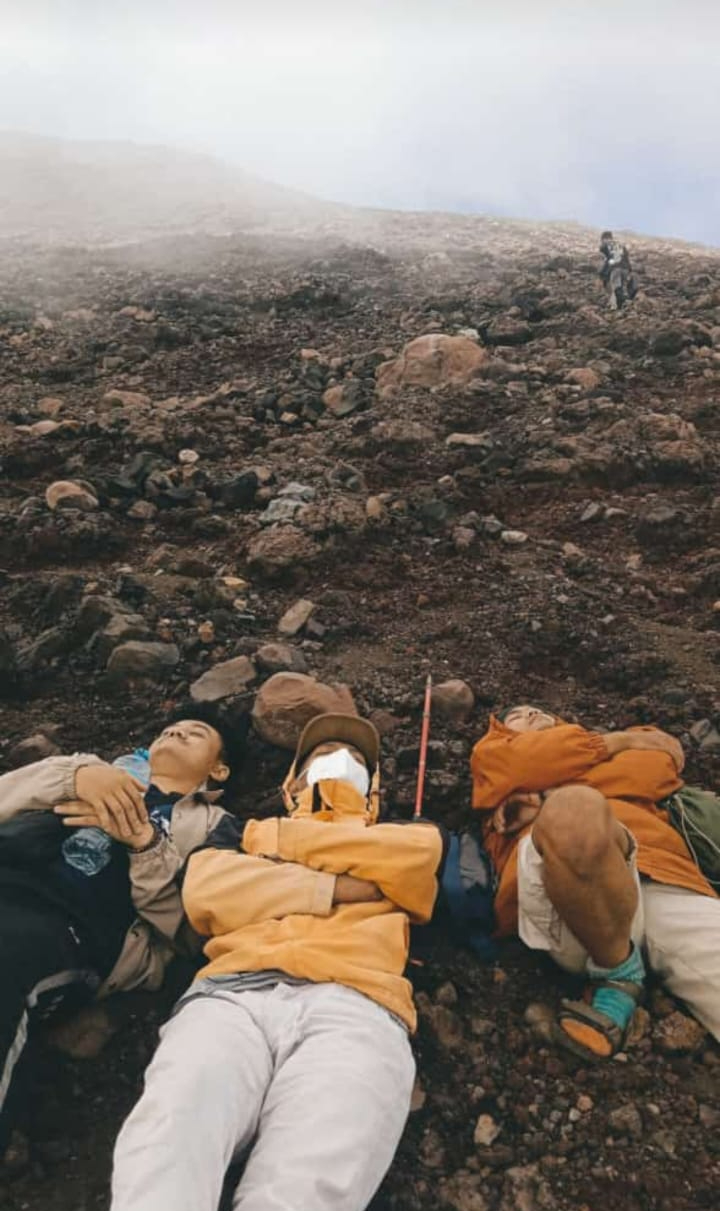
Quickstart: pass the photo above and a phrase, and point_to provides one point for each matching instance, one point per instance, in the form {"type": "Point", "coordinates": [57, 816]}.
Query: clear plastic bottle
{"type": "Point", "coordinates": [89, 850]}
{"type": "Point", "coordinates": [136, 763]}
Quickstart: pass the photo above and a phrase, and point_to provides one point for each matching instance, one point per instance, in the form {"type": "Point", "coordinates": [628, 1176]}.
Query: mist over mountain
{"type": "Point", "coordinates": [102, 191]}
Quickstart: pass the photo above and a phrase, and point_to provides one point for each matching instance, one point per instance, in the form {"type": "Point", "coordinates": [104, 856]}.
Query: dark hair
{"type": "Point", "coordinates": [231, 730]}
{"type": "Point", "coordinates": [606, 235]}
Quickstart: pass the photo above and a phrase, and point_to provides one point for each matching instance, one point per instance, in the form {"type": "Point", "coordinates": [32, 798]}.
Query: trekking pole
{"type": "Point", "coordinates": [424, 737]}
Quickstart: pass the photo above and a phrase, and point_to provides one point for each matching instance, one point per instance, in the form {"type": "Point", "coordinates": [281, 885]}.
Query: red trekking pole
{"type": "Point", "coordinates": [424, 737]}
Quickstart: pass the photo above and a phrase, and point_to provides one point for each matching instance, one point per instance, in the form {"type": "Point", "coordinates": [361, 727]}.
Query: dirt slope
{"type": "Point", "coordinates": [599, 443]}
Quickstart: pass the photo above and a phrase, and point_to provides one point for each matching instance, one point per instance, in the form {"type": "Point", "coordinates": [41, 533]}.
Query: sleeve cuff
{"type": "Point", "coordinates": [76, 762]}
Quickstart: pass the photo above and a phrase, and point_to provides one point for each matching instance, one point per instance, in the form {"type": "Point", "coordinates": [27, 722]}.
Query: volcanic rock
{"type": "Point", "coordinates": [279, 550]}
{"type": "Point", "coordinates": [433, 360]}
{"type": "Point", "coordinates": [71, 495]}
{"type": "Point", "coordinates": [287, 701]}
{"type": "Point", "coordinates": [453, 700]}
{"type": "Point", "coordinates": [279, 658]}
{"type": "Point", "coordinates": [345, 398]}
{"type": "Point", "coordinates": [224, 680]}
{"type": "Point", "coordinates": [294, 619]}
{"type": "Point", "coordinates": [677, 1033]}
{"type": "Point", "coordinates": [151, 661]}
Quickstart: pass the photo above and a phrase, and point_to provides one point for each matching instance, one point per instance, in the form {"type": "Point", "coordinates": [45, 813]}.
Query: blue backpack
{"type": "Point", "coordinates": [467, 894]}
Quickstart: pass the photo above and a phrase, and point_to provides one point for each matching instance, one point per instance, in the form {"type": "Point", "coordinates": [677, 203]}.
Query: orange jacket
{"type": "Point", "coordinates": [504, 762]}
{"type": "Point", "coordinates": [262, 914]}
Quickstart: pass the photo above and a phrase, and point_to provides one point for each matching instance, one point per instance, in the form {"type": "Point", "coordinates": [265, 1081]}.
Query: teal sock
{"type": "Point", "coordinates": [613, 1002]}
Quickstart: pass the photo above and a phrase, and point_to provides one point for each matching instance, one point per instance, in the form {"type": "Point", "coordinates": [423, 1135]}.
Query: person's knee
{"type": "Point", "coordinates": [575, 826]}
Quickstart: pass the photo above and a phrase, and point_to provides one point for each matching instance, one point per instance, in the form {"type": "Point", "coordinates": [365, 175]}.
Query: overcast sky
{"type": "Point", "coordinates": [608, 113]}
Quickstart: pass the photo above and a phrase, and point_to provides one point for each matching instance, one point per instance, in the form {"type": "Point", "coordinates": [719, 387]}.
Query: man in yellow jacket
{"type": "Point", "coordinates": [291, 1047]}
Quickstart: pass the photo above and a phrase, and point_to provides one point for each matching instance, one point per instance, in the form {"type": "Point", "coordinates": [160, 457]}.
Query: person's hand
{"type": "Point", "coordinates": [516, 812]}
{"type": "Point", "coordinates": [78, 814]}
{"type": "Point", "coordinates": [647, 740]}
{"type": "Point", "coordinates": [115, 797]}
{"type": "Point", "coordinates": [349, 890]}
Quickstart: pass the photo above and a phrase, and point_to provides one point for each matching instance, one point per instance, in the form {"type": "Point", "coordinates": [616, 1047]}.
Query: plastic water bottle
{"type": "Point", "coordinates": [89, 850]}
{"type": "Point", "coordinates": [136, 763]}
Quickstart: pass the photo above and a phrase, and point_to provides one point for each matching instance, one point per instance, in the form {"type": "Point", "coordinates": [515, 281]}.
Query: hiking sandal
{"type": "Point", "coordinates": [586, 1031]}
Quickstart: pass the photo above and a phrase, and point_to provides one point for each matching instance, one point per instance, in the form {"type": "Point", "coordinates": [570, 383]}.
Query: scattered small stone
{"type": "Point", "coordinates": [71, 495]}
{"type": "Point", "coordinates": [626, 1120]}
{"type": "Point", "coordinates": [279, 658]}
{"type": "Point", "coordinates": [294, 619]}
{"type": "Point", "coordinates": [34, 748]}
{"type": "Point", "coordinates": [678, 1033]}
{"type": "Point", "coordinates": [513, 538]}
{"type": "Point", "coordinates": [486, 1131]}
{"type": "Point", "coordinates": [705, 734]}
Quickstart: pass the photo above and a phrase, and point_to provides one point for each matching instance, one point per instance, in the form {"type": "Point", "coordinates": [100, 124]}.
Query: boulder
{"type": "Point", "coordinates": [453, 700]}
{"type": "Point", "coordinates": [287, 701]}
{"type": "Point", "coordinates": [153, 661]}
{"type": "Point", "coordinates": [68, 494]}
{"type": "Point", "coordinates": [224, 680]}
{"type": "Point", "coordinates": [434, 360]}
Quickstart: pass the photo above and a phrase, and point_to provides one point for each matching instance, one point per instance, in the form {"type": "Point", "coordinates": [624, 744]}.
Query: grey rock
{"type": "Point", "coordinates": [224, 680]}
{"type": "Point", "coordinates": [153, 661]}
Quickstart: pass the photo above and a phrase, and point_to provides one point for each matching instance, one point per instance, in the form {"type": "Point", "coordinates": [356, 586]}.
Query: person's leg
{"type": "Point", "coordinates": [682, 935]}
{"type": "Point", "coordinates": [590, 881]}
{"type": "Point", "coordinates": [585, 871]}
{"type": "Point", "coordinates": [42, 966]}
{"type": "Point", "coordinates": [202, 1098]}
{"type": "Point", "coordinates": [336, 1108]}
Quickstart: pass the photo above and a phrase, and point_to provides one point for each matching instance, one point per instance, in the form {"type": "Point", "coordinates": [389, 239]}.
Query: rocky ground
{"type": "Point", "coordinates": [195, 437]}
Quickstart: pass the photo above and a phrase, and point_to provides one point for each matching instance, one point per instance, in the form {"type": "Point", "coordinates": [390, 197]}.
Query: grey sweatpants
{"type": "Point", "coordinates": [314, 1080]}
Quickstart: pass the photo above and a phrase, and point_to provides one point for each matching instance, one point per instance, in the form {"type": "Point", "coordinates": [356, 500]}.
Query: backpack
{"type": "Point", "coordinates": [695, 814]}
{"type": "Point", "coordinates": [467, 893]}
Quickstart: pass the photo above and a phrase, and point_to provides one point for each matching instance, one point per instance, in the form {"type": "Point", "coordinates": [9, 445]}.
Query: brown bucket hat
{"type": "Point", "coordinates": [350, 729]}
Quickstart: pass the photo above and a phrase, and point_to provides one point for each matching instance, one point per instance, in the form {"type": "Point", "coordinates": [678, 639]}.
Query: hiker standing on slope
{"type": "Point", "coordinates": [616, 273]}
{"type": "Point", "coordinates": [591, 870]}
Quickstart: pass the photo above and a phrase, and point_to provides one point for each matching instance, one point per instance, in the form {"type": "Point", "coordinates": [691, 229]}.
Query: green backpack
{"type": "Point", "coordinates": [695, 814]}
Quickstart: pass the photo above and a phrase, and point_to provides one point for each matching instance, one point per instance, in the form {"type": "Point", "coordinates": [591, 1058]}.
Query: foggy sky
{"type": "Point", "coordinates": [608, 114]}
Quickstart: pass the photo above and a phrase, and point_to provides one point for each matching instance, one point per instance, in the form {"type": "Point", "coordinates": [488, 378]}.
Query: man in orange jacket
{"type": "Point", "coordinates": [591, 870]}
{"type": "Point", "coordinates": [292, 1045]}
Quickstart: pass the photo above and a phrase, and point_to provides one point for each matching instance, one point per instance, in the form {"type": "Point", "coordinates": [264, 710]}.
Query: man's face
{"type": "Point", "coordinates": [191, 750]}
{"type": "Point", "coordinates": [528, 718]}
{"type": "Point", "coordinates": [321, 750]}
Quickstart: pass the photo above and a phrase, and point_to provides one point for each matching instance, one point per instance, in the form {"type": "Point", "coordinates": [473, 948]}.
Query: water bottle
{"type": "Point", "coordinates": [136, 763]}
{"type": "Point", "coordinates": [89, 850]}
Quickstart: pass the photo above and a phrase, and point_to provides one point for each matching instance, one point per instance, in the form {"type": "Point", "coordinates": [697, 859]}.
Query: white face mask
{"type": "Point", "coordinates": [342, 766]}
